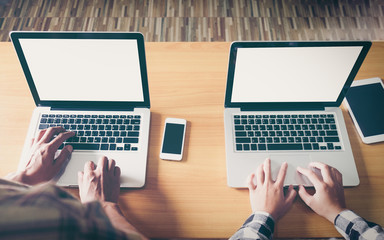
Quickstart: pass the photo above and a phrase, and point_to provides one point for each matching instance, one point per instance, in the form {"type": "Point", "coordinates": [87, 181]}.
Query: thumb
{"type": "Point", "coordinates": [290, 196]}
{"type": "Point", "coordinates": [304, 195]}
{"type": "Point", "coordinates": [63, 156]}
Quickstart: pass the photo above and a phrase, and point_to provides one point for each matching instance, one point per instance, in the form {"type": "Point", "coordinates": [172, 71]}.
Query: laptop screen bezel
{"type": "Point", "coordinates": [102, 105]}
{"type": "Point", "coordinates": [291, 105]}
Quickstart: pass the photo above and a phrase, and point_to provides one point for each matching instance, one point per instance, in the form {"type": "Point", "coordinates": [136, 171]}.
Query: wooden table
{"type": "Point", "coordinates": [190, 199]}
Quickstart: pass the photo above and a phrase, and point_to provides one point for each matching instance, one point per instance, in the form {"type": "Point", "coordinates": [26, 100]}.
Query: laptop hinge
{"type": "Point", "coordinates": [89, 109]}
{"type": "Point", "coordinates": [249, 109]}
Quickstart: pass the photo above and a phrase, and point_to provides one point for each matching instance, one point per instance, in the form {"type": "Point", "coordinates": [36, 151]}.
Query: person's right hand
{"type": "Point", "coordinates": [328, 201]}
{"type": "Point", "coordinates": [268, 195]}
{"type": "Point", "coordinates": [101, 183]}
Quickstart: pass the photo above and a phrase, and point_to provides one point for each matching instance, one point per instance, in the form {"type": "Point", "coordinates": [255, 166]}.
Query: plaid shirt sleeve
{"type": "Point", "coordinates": [49, 212]}
{"type": "Point", "coordinates": [351, 226]}
{"type": "Point", "coordinates": [259, 225]}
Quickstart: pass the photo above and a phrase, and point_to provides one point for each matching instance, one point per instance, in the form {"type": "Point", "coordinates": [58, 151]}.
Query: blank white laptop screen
{"type": "Point", "coordinates": [294, 74]}
{"type": "Point", "coordinates": [85, 69]}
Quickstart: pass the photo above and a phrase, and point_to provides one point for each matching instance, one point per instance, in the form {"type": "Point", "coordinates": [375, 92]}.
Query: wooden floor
{"type": "Point", "coordinates": [201, 20]}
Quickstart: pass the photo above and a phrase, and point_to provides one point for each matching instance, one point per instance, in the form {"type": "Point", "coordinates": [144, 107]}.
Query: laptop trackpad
{"type": "Point", "coordinates": [293, 160]}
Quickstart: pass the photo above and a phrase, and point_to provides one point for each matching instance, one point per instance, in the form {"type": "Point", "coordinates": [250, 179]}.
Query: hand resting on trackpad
{"type": "Point", "coordinates": [293, 177]}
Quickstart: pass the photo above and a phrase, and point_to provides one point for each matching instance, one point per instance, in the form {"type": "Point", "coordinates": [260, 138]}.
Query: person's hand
{"type": "Point", "coordinates": [42, 165]}
{"type": "Point", "coordinates": [268, 195]}
{"type": "Point", "coordinates": [328, 201]}
{"type": "Point", "coordinates": [101, 183]}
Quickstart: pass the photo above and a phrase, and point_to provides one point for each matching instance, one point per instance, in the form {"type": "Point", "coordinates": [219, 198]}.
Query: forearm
{"type": "Point", "coordinates": [352, 226]}
{"type": "Point", "coordinates": [118, 220]}
{"type": "Point", "coordinates": [259, 225]}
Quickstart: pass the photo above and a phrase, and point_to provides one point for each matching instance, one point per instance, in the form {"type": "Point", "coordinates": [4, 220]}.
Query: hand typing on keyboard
{"type": "Point", "coordinates": [97, 132]}
{"type": "Point", "coordinates": [96, 184]}
{"type": "Point", "coordinates": [42, 165]}
{"type": "Point", "coordinates": [268, 195]}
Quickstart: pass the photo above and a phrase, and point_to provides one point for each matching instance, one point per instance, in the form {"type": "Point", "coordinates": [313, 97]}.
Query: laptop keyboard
{"type": "Point", "coordinates": [286, 132]}
{"type": "Point", "coordinates": [97, 132]}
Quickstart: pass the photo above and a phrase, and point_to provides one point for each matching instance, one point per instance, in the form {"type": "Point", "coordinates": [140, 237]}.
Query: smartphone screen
{"type": "Point", "coordinates": [173, 138]}
{"type": "Point", "coordinates": [367, 104]}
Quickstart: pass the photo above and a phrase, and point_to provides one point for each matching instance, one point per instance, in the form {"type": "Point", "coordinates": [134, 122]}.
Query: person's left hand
{"type": "Point", "coordinates": [268, 195]}
{"type": "Point", "coordinates": [101, 183]}
{"type": "Point", "coordinates": [42, 165]}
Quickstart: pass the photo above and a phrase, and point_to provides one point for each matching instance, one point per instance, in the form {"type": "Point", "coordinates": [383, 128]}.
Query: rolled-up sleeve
{"type": "Point", "coordinates": [352, 226]}
{"type": "Point", "coordinates": [50, 212]}
{"type": "Point", "coordinates": [260, 225]}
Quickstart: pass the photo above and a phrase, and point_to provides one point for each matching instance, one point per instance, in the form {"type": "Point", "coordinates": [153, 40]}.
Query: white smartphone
{"type": "Point", "coordinates": [173, 139]}
{"type": "Point", "coordinates": [365, 103]}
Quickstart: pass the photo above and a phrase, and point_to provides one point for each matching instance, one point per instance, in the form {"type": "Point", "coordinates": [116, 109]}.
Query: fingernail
{"type": "Point", "coordinates": [70, 148]}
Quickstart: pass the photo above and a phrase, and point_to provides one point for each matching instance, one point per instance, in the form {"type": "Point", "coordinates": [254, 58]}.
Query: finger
{"type": "Point", "coordinates": [290, 196]}
{"type": "Point", "coordinates": [63, 156]}
{"type": "Point", "coordinates": [32, 142]}
{"type": "Point", "coordinates": [326, 171]}
{"type": "Point", "coordinates": [267, 169]}
{"type": "Point", "coordinates": [80, 176]}
{"type": "Point", "coordinates": [339, 177]}
{"type": "Point", "coordinates": [282, 173]}
{"type": "Point", "coordinates": [304, 195]}
{"type": "Point", "coordinates": [102, 165]}
{"type": "Point", "coordinates": [117, 172]}
{"type": "Point", "coordinates": [111, 165]}
{"type": "Point", "coordinates": [89, 167]}
{"type": "Point", "coordinates": [50, 133]}
{"type": "Point", "coordinates": [41, 134]}
{"type": "Point", "coordinates": [260, 174]}
{"type": "Point", "coordinates": [313, 178]}
{"type": "Point", "coordinates": [250, 183]}
{"type": "Point", "coordinates": [55, 143]}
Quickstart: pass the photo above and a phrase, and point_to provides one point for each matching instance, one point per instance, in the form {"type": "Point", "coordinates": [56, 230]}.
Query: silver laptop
{"type": "Point", "coordinates": [93, 83]}
{"type": "Point", "coordinates": [282, 102]}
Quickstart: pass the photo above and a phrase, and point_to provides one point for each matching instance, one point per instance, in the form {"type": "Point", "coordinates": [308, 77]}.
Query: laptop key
{"type": "Point", "coordinates": [282, 146]}
{"type": "Point", "coordinates": [262, 147]}
{"type": "Point", "coordinates": [43, 126]}
{"type": "Point", "coordinates": [127, 147]}
{"type": "Point", "coordinates": [330, 146]}
{"type": "Point", "coordinates": [239, 127]}
{"type": "Point", "coordinates": [133, 140]}
{"type": "Point", "coordinates": [84, 146]}
{"type": "Point", "coordinates": [237, 133]}
{"type": "Point", "coordinates": [331, 139]}
{"type": "Point", "coordinates": [331, 133]}
{"type": "Point", "coordinates": [104, 147]}
{"type": "Point", "coordinates": [238, 140]}
{"type": "Point", "coordinates": [307, 146]}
